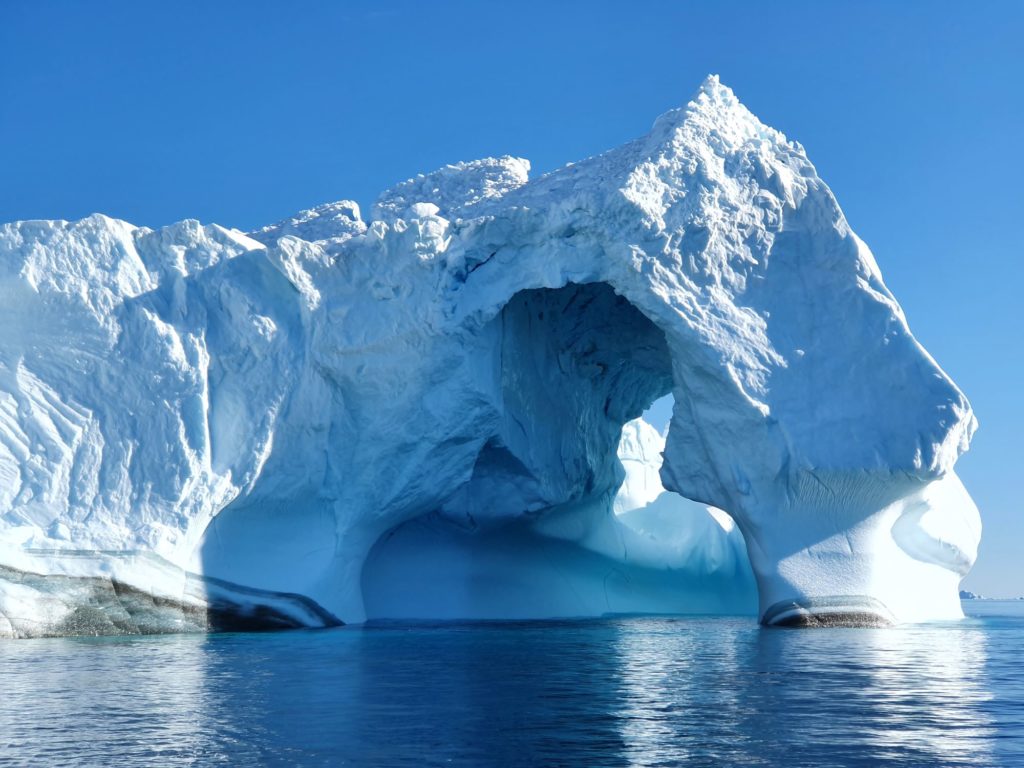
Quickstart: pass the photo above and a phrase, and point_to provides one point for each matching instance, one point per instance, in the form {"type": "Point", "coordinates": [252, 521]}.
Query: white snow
{"type": "Point", "coordinates": [447, 386]}
{"type": "Point", "coordinates": [328, 223]}
{"type": "Point", "coordinates": [640, 450]}
{"type": "Point", "coordinates": [453, 188]}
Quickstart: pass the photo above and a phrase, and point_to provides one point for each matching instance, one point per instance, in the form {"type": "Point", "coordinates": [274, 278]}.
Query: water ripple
{"type": "Point", "coordinates": [616, 692]}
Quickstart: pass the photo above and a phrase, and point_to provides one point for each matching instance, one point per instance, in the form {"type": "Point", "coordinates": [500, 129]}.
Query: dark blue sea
{"type": "Point", "coordinates": [610, 692]}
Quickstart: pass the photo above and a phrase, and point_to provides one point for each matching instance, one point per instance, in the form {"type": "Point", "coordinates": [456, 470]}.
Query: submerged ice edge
{"type": "Point", "coordinates": [56, 605]}
{"type": "Point", "coordinates": [268, 410]}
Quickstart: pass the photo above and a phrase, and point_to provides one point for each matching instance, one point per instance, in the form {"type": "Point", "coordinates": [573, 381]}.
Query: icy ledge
{"type": "Point", "coordinates": [329, 410]}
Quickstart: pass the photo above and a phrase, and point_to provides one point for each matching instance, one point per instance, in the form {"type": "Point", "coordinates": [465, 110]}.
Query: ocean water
{"type": "Point", "coordinates": [610, 692]}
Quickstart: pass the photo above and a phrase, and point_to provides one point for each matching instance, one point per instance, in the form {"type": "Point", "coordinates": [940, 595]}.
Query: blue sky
{"type": "Point", "coordinates": [242, 113]}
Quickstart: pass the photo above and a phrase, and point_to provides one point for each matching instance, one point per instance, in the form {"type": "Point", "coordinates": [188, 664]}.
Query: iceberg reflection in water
{"type": "Point", "coordinates": [617, 691]}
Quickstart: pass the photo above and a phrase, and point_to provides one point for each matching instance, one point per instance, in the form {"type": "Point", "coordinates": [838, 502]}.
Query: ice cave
{"type": "Point", "coordinates": [533, 531]}
{"type": "Point", "coordinates": [437, 413]}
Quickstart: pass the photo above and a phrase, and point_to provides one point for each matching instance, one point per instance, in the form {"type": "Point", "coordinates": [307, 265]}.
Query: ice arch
{"type": "Point", "coordinates": [576, 363]}
{"type": "Point", "coordinates": [531, 533]}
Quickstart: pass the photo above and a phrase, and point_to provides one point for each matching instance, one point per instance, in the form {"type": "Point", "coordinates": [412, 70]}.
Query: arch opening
{"type": "Point", "coordinates": [533, 532]}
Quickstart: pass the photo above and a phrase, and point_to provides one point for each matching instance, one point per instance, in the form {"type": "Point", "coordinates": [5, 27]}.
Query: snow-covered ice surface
{"type": "Point", "coordinates": [238, 424]}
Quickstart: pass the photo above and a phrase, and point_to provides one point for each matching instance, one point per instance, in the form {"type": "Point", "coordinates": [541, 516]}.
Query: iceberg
{"type": "Point", "coordinates": [433, 413]}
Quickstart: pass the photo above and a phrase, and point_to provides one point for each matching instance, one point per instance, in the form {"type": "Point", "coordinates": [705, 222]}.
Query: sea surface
{"type": "Point", "coordinates": [610, 692]}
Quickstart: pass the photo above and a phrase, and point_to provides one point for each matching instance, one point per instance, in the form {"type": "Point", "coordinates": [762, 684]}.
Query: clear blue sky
{"type": "Point", "coordinates": [244, 112]}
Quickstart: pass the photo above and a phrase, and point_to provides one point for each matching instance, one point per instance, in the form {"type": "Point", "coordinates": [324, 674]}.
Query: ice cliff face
{"type": "Point", "coordinates": [306, 423]}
